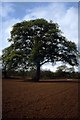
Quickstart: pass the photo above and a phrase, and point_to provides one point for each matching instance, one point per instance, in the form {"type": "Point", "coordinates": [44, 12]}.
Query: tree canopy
{"type": "Point", "coordinates": [36, 42]}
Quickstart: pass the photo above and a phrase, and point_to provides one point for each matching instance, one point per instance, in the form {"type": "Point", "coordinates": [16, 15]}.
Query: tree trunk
{"type": "Point", "coordinates": [5, 74]}
{"type": "Point", "coordinates": [37, 77]}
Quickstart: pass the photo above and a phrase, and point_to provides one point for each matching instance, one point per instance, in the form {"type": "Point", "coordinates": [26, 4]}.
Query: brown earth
{"type": "Point", "coordinates": [39, 100]}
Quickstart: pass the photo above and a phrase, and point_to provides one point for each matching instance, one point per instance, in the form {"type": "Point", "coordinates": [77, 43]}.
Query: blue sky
{"type": "Point", "coordinates": [65, 14]}
{"type": "Point", "coordinates": [20, 8]}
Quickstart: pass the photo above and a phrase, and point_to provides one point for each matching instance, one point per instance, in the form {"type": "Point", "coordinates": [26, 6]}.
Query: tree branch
{"type": "Point", "coordinates": [45, 62]}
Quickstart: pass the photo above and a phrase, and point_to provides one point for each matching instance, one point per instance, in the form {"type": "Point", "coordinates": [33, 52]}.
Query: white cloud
{"type": "Point", "coordinates": [5, 9]}
{"type": "Point", "coordinates": [53, 68]}
{"type": "Point", "coordinates": [51, 11]}
{"type": "Point", "coordinates": [69, 24]}
{"type": "Point", "coordinates": [49, 66]}
{"type": "Point", "coordinates": [6, 28]}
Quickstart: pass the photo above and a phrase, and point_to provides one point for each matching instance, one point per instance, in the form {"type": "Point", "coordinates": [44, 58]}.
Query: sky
{"type": "Point", "coordinates": [63, 13]}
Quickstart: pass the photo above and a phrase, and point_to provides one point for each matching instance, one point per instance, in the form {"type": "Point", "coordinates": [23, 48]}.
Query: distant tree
{"type": "Point", "coordinates": [61, 68]}
{"type": "Point", "coordinates": [71, 70]}
{"type": "Point", "coordinates": [64, 68]}
{"type": "Point", "coordinates": [36, 42]}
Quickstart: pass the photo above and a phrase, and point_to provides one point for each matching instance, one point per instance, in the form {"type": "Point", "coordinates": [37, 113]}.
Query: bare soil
{"type": "Point", "coordinates": [39, 100]}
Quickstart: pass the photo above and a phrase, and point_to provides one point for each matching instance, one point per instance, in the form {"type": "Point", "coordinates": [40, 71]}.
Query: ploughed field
{"type": "Point", "coordinates": [39, 100]}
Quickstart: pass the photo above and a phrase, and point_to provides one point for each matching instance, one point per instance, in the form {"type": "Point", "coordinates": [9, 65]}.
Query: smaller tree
{"type": "Point", "coordinates": [65, 71]}
{"type": "Point", "coordinates": [64, 68]}
{"type": "Point", "coordinates": [61, 68]}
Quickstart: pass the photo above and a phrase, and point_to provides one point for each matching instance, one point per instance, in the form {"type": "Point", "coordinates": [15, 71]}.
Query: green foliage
{"type": "Point", "coordinates": [47, 74]}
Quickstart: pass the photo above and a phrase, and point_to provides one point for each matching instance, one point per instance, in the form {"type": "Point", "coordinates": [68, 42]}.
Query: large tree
{"type": "Point", "coordinates": [36, 42]}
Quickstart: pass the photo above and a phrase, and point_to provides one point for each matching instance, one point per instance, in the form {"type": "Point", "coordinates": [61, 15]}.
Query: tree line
{"type": "Point", "coordinates": [45, 74]}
